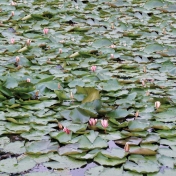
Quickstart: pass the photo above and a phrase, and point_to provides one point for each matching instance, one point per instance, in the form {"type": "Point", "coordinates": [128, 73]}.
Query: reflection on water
{"type": "Point", "coordinates": [81, 171]}
{"type": "Point", "coordinates": [39, 168]}
{"type": "Point", "coordinates": [111, 145]}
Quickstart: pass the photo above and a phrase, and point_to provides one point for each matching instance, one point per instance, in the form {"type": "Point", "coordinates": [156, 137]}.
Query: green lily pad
{"type": "Point", "coordinates": [15, 147]}
{"type": "Point", "coordinates": [138, 125]}
{"type": "Point", "coordinates": [108, 161]}
{"type": "Point", "coordinates": [101, 42]}
{"type": "Point", "coordinates": [141, 165]}
{"type": "Point", "coordinates": [39, 147]}
{"type": "Point", "coordinates": [61, 162]}
{"type": "Point", "coordinates": [16, 165]}
{"type": "Point", "coordinates": [118, 113]}
{"type": "Point", "coordinates": [114, 153]}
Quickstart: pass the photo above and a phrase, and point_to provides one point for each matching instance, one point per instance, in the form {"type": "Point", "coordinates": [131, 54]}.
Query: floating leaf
{"type": "Point", "coordinates": [92, 93]}
{"type": "Point", "coordinates": [108, 161]}
{"type": "Point", "coordinates": [101, 42]}
{"type": "Point", "coordinates": [13, 165]}
{"type": "Point", "coordinates": [40, 147]}
{"type": "Point", "coordinates": [118, 113]}
{"type": "Point", "coordinates": [141, 165]}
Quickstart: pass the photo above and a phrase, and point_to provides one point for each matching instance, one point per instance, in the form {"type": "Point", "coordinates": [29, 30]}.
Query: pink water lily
{"type": "Point", "coordinates": [59, 86]}
{"type": "Point", "coordinates": [92, 122]}
{"type": "Point", "coordinates": [12, 40]}
{"type": "Point", "coordinates": [17, 59]}
{"type": "Point", "coordinates": [28, 80]}
{"type": "Point", "coordinates": [28, 42]}
{"type": "Point", "coordinates": [143, 83]}
{"type": "Point", "coordinates": [66, 130]}
{"type": "Point", "coordinates": [112, 46]}
{"type": "Point", "coordinates": [12, 13]}
{"type": "Point", "coordinates": [45, 31]}
{"type": "Point", "coordinates": [93, 68]}
{"type": "Point", "coordinates": [13, 3]}
{"type": "Point", "coordinates": [104, 123]}
{"type": "Point", "coordinates": [60, 51]}
{"type": "Point", "coordinates": [157, 104]}
{"type": "Point", "coordinates": [112, 56]}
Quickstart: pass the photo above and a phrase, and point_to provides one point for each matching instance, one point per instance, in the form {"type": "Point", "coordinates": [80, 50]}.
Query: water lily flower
{"type": "Point", "coordinates": [144, 69]}
{"type": "Point", "coordinates": [28, 42]}
{"type": "Point", "coordinates": [66, 130]}
{"type": "Point", "coordinates": [112, 56]}
{"type": "Point", "coordinates": [13, 13]}
{"type": "Point", "coordinates": [60, 125]}
{"type": "Point", "coordinates": [93, 68]}
{"type": "Point", "coordinates": [157, 104]}
{"type": "Point", "coordinates": [164, 31]}
{"type": "Point", "coordinates": [60, 51]}
{"type": "Point", "coordinates": [28, 80]}
{"type": "Point", "coordinates": [127, 147]}
{"type": "Point", "coordinates": [12, 40]}
{"type": "Point", "coordinates": [13, 3]}
{"type": "Point", "coordinates": [45, 31]}
{"type": "Point", "coordinates": [104, 123]}
{"type": "Point", "coordinates": [17, 59]}
{"type": "Point", "coordinates": [71, 95]}
{"type": "Point", "coordinates": [147, 93]}
{"type": "Point", "coordinates": [62, 41]}
{"type": "Point", "coordinates": [92, 122]}
{"type": "Point", "coordinates": [59, 86]}
{"type": "Point", "coordinates": [143, 83]}
{"type": "Point", "coordinates": [112, 46]}
{"type": "Point", "coordinates": [137, 114]}
{"type": "Point", "coordinates": [37, 95]}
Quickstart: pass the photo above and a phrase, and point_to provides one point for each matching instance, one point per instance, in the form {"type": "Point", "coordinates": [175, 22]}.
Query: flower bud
{"type": "Point", "coordinates": [59, 86]}
{"type": "Point", "coordinates": [164, 31]}
{"type": "Point", "coordinates": [71, 95]}
{"type": "Point", "coordinates": [62, 41]}
{"type": "Point", "coordinates": [104, 123]}
{"type": "Point", "coordinates": [144, 69]}
{"type": "Point", "coordinates": [60, 125]}
{"type": "Point", "coordinates": [127, 147]}
{"type": "Point", "coordinates": [28, 80]}
{"type": "Point", "coordinates": [157, 104]}
{"type": "Point", "coordinates": [36, 93]}
{"type": "Point", "coordinates": [60, 51]}
{"type": "Point", "coordinates": [93, 68]}
{"type": "Point", "coordinates": [112, 25]}
{"type": "Point", "coordinates": [13, 3]}
{"type": "Point", "coordinates": [143, 83]}
{"type": "Point", "coordinates": [112, 56]}
{"type": "Point", "coordinates": [12, 13]}
{"type": "Point", "coordinates": [45, 31]}
{"type": "Point", "coordinates": [17, 59]}
{"type": "Point", "coordinates": [137, 114]}
{"type": "Point", "coordinates": [28, 42]}
{"type": "Point", "coordinates": [112, 46]}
